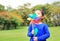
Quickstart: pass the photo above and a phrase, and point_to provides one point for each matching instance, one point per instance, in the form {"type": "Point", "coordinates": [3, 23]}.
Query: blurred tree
{"type": "Point", "coordinates": [56, 3]}
{"type": "Point", "coordinates": [50, 11]}
{"type": "Point", "coordinates": [24, 12]}
{"type": "Point", "coordinates": [2, 8]}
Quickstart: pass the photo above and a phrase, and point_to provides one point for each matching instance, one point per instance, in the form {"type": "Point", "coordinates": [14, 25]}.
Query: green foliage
{"type": "Point", "coordinates": [24, 11]}
{"type": "Point", "coordinates": [50, 11]}
{"type": "Point", "coordinates": [38, 7]}
{"type": "Point", "coordinates": [6, 24]}
{"type": "Point", "coordinates": [18, 17]}
{"type": "Point", "coordinates": [2, 8]}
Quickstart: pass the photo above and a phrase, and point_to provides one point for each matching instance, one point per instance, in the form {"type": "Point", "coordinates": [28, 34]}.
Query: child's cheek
{"type": "Point", "coordinates": [39, 15]}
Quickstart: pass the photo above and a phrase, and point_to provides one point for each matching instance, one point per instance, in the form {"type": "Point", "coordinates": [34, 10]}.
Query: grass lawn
{"type": "Point", "coordinates": [21, 34]}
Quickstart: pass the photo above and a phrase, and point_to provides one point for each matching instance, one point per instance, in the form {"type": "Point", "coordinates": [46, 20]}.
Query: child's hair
{"type": "Point", "coordinates": [42, 12]}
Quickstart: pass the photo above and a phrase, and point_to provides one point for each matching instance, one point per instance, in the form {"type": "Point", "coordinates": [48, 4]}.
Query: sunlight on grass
{"type": "Point", "coordinates": [21, 34]}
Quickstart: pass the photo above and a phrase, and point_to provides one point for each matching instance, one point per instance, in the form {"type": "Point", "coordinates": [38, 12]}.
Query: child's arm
{"type": "Point", "coordinates": [30, 31]}
{"type": "Point", "coordinates": [46, 35]}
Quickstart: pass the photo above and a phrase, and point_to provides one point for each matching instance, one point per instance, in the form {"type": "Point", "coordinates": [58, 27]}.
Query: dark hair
{"type": "Point", "coordinates": [42, 12]}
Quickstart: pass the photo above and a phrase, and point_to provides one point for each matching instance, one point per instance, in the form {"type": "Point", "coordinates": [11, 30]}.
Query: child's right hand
{"type": "Point", "coordinates": [32, 31]}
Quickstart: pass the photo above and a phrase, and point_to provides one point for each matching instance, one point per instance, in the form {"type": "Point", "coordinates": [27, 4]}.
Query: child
{"type": "Point", "coordinates": [43, 32]}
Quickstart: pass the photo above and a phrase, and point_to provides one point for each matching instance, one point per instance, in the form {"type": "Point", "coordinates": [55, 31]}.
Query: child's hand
{"type": "Point", "coordinates": [35, 38]}
{"type": "Point", "coordinates": [32, 31]}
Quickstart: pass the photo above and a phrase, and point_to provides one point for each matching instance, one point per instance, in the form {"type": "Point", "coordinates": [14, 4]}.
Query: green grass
{"type": "Point", "coordinates": [21, 34]}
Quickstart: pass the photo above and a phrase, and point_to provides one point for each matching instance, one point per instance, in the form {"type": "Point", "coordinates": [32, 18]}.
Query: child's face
{"type": "Point", "coordinates": [38, 13]}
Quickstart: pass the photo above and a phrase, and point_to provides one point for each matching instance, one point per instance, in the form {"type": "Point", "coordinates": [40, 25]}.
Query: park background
{"type": "Point", "coordinates": [14, 23]}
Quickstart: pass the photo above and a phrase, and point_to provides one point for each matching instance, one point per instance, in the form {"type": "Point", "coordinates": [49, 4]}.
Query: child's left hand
{"type": "Point", "coordinates": [35, 38]}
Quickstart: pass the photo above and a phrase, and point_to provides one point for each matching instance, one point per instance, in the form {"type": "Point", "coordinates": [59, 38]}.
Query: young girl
{"type": "Point", "coordinates": [42, 33]}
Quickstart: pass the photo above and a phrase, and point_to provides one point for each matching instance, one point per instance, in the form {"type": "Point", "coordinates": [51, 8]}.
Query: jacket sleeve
{"type": "Point", "coordinates": [46, 35]}
{"type": "Point", "coordinates": [29, 31]}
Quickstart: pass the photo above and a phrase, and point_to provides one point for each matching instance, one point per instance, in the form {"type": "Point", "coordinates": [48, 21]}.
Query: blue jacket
{"type": "Point", "coordinates": [43, 32]}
